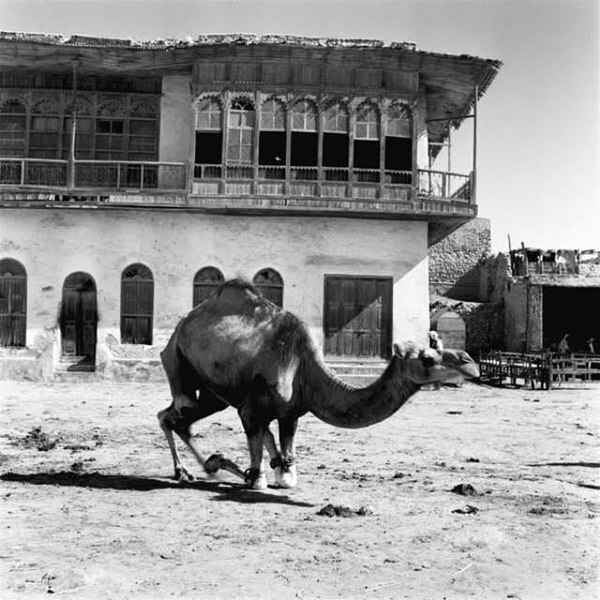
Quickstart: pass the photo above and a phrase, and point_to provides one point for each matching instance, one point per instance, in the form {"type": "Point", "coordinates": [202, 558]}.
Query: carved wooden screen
{"type": "Point", "coordinates": [366, 140]}
{"type": "Point", "coordinates": [206, 281]}
{"type": "Point", "coordinates": [241, 132]}
{"type": "Point", "coordinates": [304, 143]}
{"type": "Point", "coordinates": [137, 305]}
{"type": "Point", "coordinates": [13, 303]}
{"type": "Point", "coordinates": [398, 139]}
{"type": "Point", "coordinates": [336, 141]}
{"type": "Point", "coordinates": [13, 127]}
{"type": "Point", "coordinates": [272, 138]}
{"type": "Point", "coordinates": [209, 132]}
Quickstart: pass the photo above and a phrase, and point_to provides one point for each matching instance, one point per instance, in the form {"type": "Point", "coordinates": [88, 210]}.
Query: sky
{"type": "Point", "coordinates": [538, 124]}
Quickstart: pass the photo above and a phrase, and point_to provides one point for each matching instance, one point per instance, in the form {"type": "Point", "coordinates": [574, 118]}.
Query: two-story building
{"type": "Point", "coordinates": [136, 176]}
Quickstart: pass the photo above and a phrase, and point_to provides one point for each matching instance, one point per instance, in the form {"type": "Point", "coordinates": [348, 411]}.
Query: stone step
{"type": "Point", "coordinates": [367, 368]}
{"type": "Point", "coordinates": [74, 376]}
{"type": "Point", "coordinates": [80, 364]}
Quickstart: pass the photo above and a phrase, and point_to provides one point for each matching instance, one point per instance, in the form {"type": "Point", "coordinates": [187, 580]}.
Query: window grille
{"type": "Point", "coordinates": [336, 119]}
{"type": "Point", "coordinates": [206, 281]}
{"type": "Point", "coordinates": [241, 132]}
{"type": "Point", "coordinates": [270, 284]}
{"type": "Point", "coordinates": [13, 128]}
{"type": "Point", "coordinates": [304, 116]}
{"type": "Point", "coordinates": [367, 123]}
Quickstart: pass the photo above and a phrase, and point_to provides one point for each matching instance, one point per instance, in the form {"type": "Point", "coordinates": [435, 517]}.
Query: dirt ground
{"type": "Point", "coordinates": [88, 509]}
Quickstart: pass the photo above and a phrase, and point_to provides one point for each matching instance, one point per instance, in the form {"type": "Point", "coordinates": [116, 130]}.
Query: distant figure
{"type": "Point", "coordinates": [563, 345]}
{"type": "Point", "coordinates": [435, 341]}
{"type": "Point", "coordinates": [591, 345]}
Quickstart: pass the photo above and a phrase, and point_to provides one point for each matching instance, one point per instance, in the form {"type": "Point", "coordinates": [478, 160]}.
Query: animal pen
{"type": "Point", "coordinates": [542, 369]}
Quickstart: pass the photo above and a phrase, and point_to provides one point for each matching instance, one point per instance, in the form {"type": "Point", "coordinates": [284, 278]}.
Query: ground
{"type": "Point", "coordinates": [88, 509]}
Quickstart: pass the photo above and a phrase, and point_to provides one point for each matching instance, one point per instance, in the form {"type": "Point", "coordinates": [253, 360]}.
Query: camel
{"type": "Point", "coordinates": [238, 349]}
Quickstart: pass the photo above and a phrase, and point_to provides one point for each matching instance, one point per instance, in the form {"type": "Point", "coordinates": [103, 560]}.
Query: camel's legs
{"type": "Point", "coordinates": [271, 445]}
{"type": "Point", "coordinates": [178, 418]}
{"type": "Point", "coordinates": [256, 428]}
{"type": "Point", "coordinates": [284, 463]}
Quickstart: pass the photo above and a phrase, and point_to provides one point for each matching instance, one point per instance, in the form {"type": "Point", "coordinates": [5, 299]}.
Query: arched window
{"type": "Point", "coordinates": [336, 140]}
{"type": "Point", "coordinates": [366, 139]}
{"type": "Point", "coordinates": [241, 132]}
{"type": "Point", "coordinates": [305, 144]}
{"type": "Point", "coordinates": [13, 303]}
{"type": "Point", "coordinates": [137, 304]}
{"type": "Point", "coordinates": [398, 139]}
{"type": "Point", "coordinates": [271, 141]}
{"type": "Point", "coordinates": [12, 132]}
{"type": "Point", "coordinates": [209, 132]}
{"type": "Point", "coordinates": [270, 284]}
{"type": "Point", "coordinates": [206, 281]}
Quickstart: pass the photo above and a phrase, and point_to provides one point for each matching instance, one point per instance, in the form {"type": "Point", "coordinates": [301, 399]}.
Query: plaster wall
{"type": "Point", "coordinates": [52, 243]}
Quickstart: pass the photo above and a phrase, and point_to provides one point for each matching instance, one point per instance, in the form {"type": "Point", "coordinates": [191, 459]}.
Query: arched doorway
{"type": "Point", "coordinates": [79, 319]}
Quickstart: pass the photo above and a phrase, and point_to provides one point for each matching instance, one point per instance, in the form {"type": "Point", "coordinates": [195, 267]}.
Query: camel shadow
{"type": "Point", "coordinates": [591, 465]}
{"type": "Point", "coordinates": [225, 491]}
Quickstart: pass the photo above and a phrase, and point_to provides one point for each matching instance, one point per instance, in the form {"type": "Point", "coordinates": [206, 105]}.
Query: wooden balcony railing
{"type": "Point", "coordinates": [92, 174]}
{"type": "Point", "coordinates": [440, 184]}
{"type": "Point", "coordinates": [215, 180]}
{"type": "Point", "coordinates": [331, 182]}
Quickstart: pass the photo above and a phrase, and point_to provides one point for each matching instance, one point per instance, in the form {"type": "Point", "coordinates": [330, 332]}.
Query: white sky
{"type": "Point", "coordinates": [539, 122]}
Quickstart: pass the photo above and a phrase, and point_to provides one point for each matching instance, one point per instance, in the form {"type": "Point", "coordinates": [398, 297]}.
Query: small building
{"type": "Point", "coordinates": [136, 176]}
{"type": "Point", "coordinates": [552, 293]}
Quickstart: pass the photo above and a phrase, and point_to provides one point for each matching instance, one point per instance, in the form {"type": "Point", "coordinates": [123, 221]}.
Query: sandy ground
{"type": "Point", "coordinates": [88, 509]}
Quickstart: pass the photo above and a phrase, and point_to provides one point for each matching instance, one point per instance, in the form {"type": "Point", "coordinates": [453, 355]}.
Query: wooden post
{"type": "Point", "coordinates": [71, 156]}
{"type": "Point", "coordinates": [474, 182]}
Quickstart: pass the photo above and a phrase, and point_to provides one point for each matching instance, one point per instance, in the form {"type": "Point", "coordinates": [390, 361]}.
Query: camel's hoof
{"type": "Point", "coordinates": [286, 478]}
{"type": "Point", "coordinates": [183, 476]}
{"type": "Point", "coordinates": [213, 463]}
{"type": "Point", "coordinates": [255, 479]}
{"type": "Point", "coordinates": [260, 483]}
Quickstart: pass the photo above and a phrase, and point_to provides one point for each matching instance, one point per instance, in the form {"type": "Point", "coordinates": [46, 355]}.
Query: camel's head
{"type": "Point", "coordinates": [426, 365]}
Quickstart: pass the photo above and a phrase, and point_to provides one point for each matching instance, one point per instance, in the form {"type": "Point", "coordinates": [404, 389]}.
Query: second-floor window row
{"type": "Point", "coordinates": [241, 135]}
{"type": "Point", "coordinates": [123, 128]}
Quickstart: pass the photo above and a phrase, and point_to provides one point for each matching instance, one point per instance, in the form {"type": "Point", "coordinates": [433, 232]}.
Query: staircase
{"type": "Point", "coordinates": [71, 369]}
{"type": "Point", "coordinates": [357, 372]}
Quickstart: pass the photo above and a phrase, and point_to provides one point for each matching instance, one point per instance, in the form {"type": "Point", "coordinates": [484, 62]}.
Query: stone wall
{"type": "Point", "coordinates": [455, 263]}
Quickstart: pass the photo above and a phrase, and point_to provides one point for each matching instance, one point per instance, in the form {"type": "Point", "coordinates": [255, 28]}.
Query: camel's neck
{"type": "Point", "coordinates": [340, 405]}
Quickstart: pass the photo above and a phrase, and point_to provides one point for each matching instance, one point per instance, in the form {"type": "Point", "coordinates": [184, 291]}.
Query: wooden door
{"type": "Point", "coordinates": [13, 303]}
{"type": "Point", "coordinates": [358, 316]}
{"type": "Point", "coordinates": [79, 318]}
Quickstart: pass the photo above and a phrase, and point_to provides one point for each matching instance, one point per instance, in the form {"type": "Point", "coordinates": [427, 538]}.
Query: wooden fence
{"type": "Point", "coordinates": [545, 370]}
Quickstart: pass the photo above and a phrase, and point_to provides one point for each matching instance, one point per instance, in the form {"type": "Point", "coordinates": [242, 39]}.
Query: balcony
{"type": "Point", "coordinates": [91, 176]}
{"type": "Point", "coordinates": [441, 198]}
{"type": "Point", "coordinates": [329, 182]}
